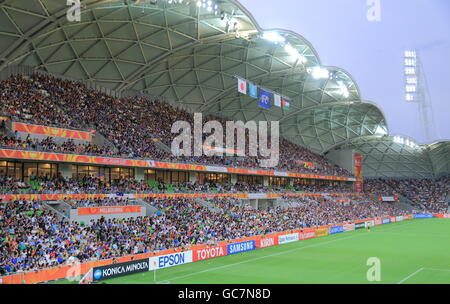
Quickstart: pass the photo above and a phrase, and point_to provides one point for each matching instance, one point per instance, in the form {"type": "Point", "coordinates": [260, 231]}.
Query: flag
{"type": "Point", "coordinates": [242, 86]}
{"type": "Point", "coordinates": [277, 100]}
{"type": "Point", "coordinates": [286, 104]}
{"type": "Point", "coordinates": [264, 99]}
{"type": "Point", "coordinates": [253, 90]}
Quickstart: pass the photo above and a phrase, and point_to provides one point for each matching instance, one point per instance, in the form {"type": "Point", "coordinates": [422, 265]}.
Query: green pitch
{"type": "Point", "coordinates": [416, 251]}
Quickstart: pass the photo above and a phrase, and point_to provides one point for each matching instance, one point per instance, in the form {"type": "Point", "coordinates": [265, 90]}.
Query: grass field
{"type": "Point", "coordinates": [415, 251]}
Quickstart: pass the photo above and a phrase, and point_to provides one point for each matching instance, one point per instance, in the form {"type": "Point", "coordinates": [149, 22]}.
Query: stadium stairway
{"type": "Point", "coordinates": [149, 209]}
{"type": "Point", "coordinates": [8, 130]}
{"type": "Point", "coordinates": [404, 206]}
{"type": "Point", "coordinates": [59, 208]}
{"type": "Point", "coordinates": [207, 204]}
{"type": "Point", "coordinates": [405, 200]}
{"type": "Point", "coordinates": [162, 146]}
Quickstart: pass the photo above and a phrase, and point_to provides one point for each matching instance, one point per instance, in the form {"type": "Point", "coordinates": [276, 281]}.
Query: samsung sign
{"type": "Point", "coordinates": [121, 269]}
{"type": "Point", "coordinates": [288, 238]}
{"type": "Point", "coordinates": [170, 260]}
{"type": "Point", "coordinates": [240, 247]}
{"type": "Point", "coordinates": [336, 229]}
{"type": "Point", "coordinates": [423, 215]}
{"type": "Point", "coordinates": [386, 221]}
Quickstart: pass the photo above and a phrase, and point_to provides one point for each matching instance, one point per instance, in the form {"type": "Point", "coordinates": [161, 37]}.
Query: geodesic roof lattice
{"type": "Point", "coordinates": [192, 56]}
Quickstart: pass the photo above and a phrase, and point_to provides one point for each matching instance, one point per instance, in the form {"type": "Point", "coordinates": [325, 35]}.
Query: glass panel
{"type": "Point", "coordinates": [30, 170]}
{"type": "Point", "coordinates": [2, 171]}
{"type": "Point", "coordinates": [175, 177]}
{"type": "Point", "coordinates": [94, 171]}
{"type": "Point", "coordinates": [115, 173]}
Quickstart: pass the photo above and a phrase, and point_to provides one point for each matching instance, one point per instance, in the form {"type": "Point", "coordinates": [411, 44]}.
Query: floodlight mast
{"type": "Point", "coordinates": [416, 90]}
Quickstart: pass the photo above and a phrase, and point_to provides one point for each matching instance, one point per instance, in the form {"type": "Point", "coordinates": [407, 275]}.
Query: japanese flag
{"type": "Point", "coordinates": [242, 86]}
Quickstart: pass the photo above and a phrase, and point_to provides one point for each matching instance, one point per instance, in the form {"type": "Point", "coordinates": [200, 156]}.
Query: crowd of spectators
{"type": "Point", "coordinates": [49, 145]}
{"type": "Point", "coordinates": [429, 195]}
{"type": "Point", "coordinates": [32, 237]}
{"type": "Point", "coordinates": [61, 185]}
{"type": "Point", "coordinates": [97, 185]}
{"type": "Point", "coordinates": [133, 125]}
{"type": "Point", "coordinates": [28, 100]}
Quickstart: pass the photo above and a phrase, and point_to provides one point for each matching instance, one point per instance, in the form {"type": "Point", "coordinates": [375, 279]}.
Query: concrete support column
{"type": "Point", "coordinates": [193, 177]}
{"type": "Point", "coordinates": [139, 174]}
{"type": "Point", "coordinates": [266, 181]}
{"type": "Point", "coordinates": [65, 170]}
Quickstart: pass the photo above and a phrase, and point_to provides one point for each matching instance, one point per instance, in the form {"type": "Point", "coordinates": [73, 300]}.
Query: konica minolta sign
{"type": "Point", "coordinates": [121, 269]}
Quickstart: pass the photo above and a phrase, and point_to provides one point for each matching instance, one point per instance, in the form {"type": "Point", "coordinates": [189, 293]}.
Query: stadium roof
{"type": "Point", "coordinates": [191, 52]}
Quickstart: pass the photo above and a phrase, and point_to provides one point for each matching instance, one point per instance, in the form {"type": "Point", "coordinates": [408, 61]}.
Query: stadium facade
{"type": "Point", "coordinates": [190, 53]}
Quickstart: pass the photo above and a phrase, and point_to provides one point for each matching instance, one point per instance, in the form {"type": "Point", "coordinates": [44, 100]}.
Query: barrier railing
{"type": "Point", "coordinates": [242, 195]}
{"type": "Point", "coordinates": [198, 252]}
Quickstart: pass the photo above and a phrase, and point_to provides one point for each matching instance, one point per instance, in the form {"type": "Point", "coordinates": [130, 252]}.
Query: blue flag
{"type": "Point", "coordinates": [253, 91]}
{"type": "Point", "coordinates": [264, 99]}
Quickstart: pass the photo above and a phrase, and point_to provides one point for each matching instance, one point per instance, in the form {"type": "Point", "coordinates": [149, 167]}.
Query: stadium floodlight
{"type": "Point", "coordinates": [343, 90]}
{"type": "Point", "coordinates": [410, 88]}
{"type": "Point", "coordinates": [410, 71]}
{"type": "Point", "coordinates": [319, 73]}
{"type": "Point", "coordinates": [399, 140]}
{"type": "Point", "coordinates": [410, 62]}
{"type": "Point", "coordinates": [273, 37]}
{"type": "Point", "coordinates": [406, 141]}
{"type": "Point", "coordinates": [409, 97]}
{"type": "Point", "coordinates": [380, 131]}
{"type": "Point", "coordinates": [410, 54]}
{"type": "Point", "coordinates": [294, 53]}
{"type": "Point", "coordinates": [411, 80]}
{"type": "Point", "coordinates": [416, 91]}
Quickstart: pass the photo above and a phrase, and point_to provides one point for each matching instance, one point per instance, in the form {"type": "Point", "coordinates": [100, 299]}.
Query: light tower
{"type": "Point", "coordinates": [416, 90]}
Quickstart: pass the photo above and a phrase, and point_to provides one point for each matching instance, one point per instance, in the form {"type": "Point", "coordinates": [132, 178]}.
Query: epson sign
{"type": "Point", "coordinates": [121, 269]}
{"type": "Point", "coordinates": [170, 260]}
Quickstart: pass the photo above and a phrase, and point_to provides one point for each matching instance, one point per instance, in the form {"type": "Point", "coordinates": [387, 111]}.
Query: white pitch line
{"type": "Point", "coordinates": [275, 254]}
{"type": "Point", "coordinates": [411, 275]}
{"type": "Point", "coordinates": [437, 269]}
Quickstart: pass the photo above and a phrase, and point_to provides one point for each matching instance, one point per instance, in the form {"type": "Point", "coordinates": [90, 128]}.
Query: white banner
{"type": "Point", "coordinates": [349, 227]}
{"type": "Point", "coordinates": [216, 169]}
{"type": "Point", "coordinates": [288, 238]}
{"type": "Point", "coordinates": [388, 199]}
{"type": "Point", "coordinates": [174, 259]}
{"type": "Point", "coordinates": [278, 173]}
